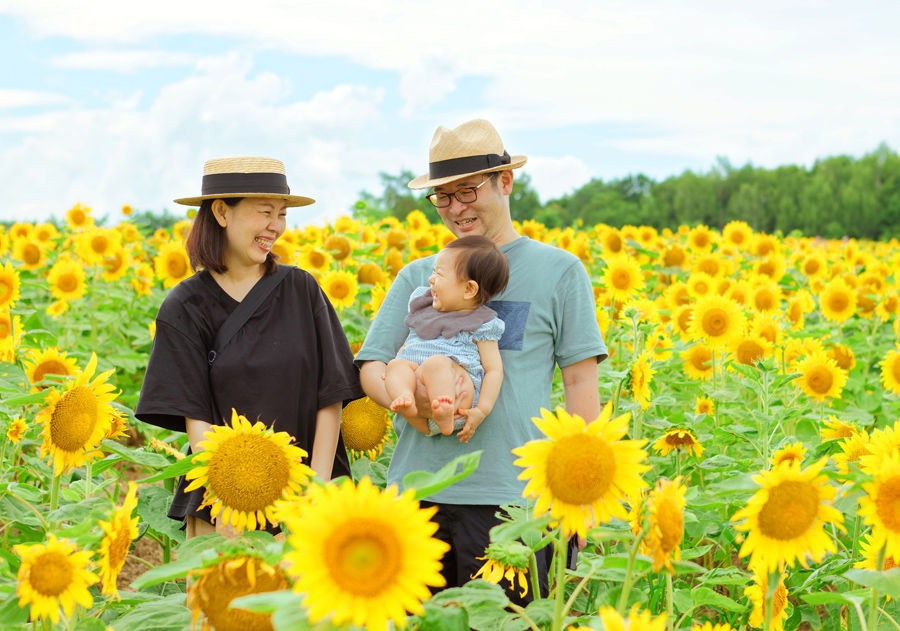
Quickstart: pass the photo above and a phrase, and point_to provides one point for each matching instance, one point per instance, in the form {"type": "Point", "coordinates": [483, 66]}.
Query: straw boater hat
{"type": "Point", "coordinates": [245, 176]}
{"type": "Point", "coordinates": [472, 148]}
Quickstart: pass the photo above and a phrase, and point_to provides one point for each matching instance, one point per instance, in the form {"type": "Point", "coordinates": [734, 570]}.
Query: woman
{"type": "Point", "coordinates": [288, 366]}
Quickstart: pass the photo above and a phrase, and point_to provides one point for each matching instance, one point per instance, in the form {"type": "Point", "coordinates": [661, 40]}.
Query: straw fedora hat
{"type": "Point", "coordinates": [472, 148]}
{"type": "Point", "coordinates": [244, 176]}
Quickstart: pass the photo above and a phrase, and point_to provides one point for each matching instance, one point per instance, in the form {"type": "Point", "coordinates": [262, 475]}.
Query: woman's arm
{"type": "Point", "coordinates": [489, 350]}
{"type": "Point", "coordinates": [328, 430]}
{"type": "Point", "coordinates": [196, 431]}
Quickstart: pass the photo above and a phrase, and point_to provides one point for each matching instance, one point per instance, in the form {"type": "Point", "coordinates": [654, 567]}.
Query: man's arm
{"type": "Point", "coordinates": [581, 390]}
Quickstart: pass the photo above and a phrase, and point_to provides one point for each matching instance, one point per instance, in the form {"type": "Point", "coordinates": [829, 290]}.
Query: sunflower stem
{"type": "Point", "coordinates": [54, 493]}
{"type": "Point", "coordinates": [626, 586]}
{"type": "Point", "coordinates": [32, 509]}
{"type": "Point", "coordinates": [670, 604]}
{"type": "Point", "coordinates": [521, 611]}
{"type": "Point", "coordinates": [533, 572]}
{"type": "Point", "coordinates": [715, 389]}
{"type": "Point", "coordinates": [87, 479]}
{"type": "Point", "coordinates": [167, 549]}
{"type": "Point", "coordinates": [873, 608]}
{"type": "Point", "coordinates": [853, 541]}
{"type": "Point", "coordinates": [561, 548]}
{"type": "Point", "coordinates": [577, 590]}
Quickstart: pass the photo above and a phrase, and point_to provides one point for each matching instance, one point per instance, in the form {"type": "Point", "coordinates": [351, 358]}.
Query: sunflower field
{"type": "Point", "coordinates": [744, 472]}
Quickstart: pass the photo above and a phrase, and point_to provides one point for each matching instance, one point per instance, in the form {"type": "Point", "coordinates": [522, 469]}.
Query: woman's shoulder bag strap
{"type": "Point", "coordinates": [246, 309]}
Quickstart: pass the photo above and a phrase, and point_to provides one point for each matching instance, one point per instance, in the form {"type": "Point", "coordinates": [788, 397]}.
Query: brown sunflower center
{"type": "Point", "coordinates": [715, 322]}
{"type": "Point", "coordinates": [340, 246]}
{"type": "Point", "coordinates": [700, 240]}
{"type": "Point", "coordinates": [176, 265]}
{"type": "Point", "coordinates": [228, 580]}
{"type": "Point", "coordinates": [5, 288]}
{"type": "Point", "coordinates": [887, 504]}
{"type": "Point", "coordinates": [339, 289]}
{"type": "Point", "coordinates": [710, 266]}
{"type": "Point", "coordinates": [674, 257]}
{"type": "Point", "coordinates": [811, 267]}
{"type": "Point", "coordinates": [790, 510]}
{"type": "Point", "coordinates": [613, 242]}
{"type": "Point", "coordinates": [701, 288]}
{"type": "Point", "coordinates": [621, 279]}
{"type": "Point", "coordinates": [249, 472]}
{"type": "Point", "coordinates": [114, 263]}
{"type": "Point", "coordinates": [684, 319]}
{"type": "Point", "coordinates": [679, 439]}
{"type": "Point", "coordinates": [67, 282]}
{"type": "Point", "coordinates": [838, 301]}
{"type": "Point", "coordinates": [363, 425]}
{"type": "Point", "coordinates": [671, 525]}
{"type": "Point", "coordinates": [49, 367]}
{"type": "Point", "coordinates": [700, 359]}
{"type": "Point", "coordinates": [51, 573]}
{"type": "Point", "coordinates": [820, 379]}
{"type": "Point", "coordinates": [31, 254]}
{"type": "Point", "coordinates": [364, 557]}
{"type": "Point", "coordinates": [5, 329]}
{"type": "Point", "coordinates": [764, 299]}
{"type": "Point", "coordinates": [74, 419]}
{"type": "Point", "coordinates": [100, 244]}
{"type": "Point", "coordinates": [895, 368]}
{"type": "Point", "coordinates": [77, 217]}
{"type": "Point", "coordinates": [748, 351]}
{"type": "Point", "coordinates": [788, 456]}
{"type": "Point", "coordinates": [119, 545]}
{"type": "Point", "coordinates": [580, 469]}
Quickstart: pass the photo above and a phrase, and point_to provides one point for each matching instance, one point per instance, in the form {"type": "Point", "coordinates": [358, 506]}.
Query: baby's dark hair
{"type": "Point", "coordinates": [480, 260]}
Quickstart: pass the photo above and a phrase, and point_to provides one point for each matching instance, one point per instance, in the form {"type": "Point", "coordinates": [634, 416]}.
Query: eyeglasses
{"type": "Point", "coordinates": [463, 196]}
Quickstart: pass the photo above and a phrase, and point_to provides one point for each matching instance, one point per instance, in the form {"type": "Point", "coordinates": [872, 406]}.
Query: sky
{"type": "Point", "coordinates": [110, 103]}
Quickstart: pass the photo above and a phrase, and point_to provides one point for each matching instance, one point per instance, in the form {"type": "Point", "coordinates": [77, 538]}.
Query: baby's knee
{"type": "Point", "coordinates": [437, 362]}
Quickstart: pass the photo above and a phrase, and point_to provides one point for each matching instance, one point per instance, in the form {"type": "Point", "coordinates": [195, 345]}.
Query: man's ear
{"type": "Point", "coordinates": [218, 211]}
{"type": "Point", "coordinates": [471, 290]}
{"type": "Point", "coordinates": [505, 179]}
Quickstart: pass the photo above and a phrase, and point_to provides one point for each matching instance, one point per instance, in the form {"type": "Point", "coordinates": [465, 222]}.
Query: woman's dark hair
{"type": "Point", "coordinates": [481, 261]}
{"type": "Point", "coordinates": [206, 240]}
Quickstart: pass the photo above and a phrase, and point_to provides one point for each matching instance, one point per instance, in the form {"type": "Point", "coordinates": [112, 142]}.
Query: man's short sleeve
{"type": "Point", "coordinates": [577, 331]}
{"type": "Point", "coordinates": [177, 381]}
{"type": "Point", "coordinates": [388, 331]}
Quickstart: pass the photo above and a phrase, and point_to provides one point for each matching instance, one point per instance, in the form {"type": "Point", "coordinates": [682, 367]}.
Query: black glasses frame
{"type": "Point", "coordinates": [433, 197]}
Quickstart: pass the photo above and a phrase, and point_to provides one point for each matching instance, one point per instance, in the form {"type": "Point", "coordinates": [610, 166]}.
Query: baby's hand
{"type": "Point", "coordinates": [474, 416]}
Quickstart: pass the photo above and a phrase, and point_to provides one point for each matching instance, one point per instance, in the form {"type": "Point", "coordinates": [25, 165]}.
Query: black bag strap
{"type": "Point", "coordinates": [247, 307]}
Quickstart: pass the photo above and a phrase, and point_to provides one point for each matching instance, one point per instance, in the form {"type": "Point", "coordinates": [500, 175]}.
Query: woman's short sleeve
{"type": "Point", "coordinates": [492, 330]}
{"type": "Point", "coordinates": [338, 376]}
{"type": "Point", "coordinates": [177, 381]}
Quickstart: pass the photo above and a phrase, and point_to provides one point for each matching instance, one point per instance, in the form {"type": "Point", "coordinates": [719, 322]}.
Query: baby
{"type": "Point", "coordinates": [452, 335]}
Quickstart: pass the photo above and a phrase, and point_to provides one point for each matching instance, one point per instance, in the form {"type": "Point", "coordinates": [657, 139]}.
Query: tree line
{"type": "Point", "coordinates": [836, 197]}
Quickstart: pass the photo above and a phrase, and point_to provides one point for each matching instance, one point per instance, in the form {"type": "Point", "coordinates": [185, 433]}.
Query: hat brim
{"type": "Point", "coordinates": [424, 181]}
{"type": "Point", "coordinates": [293, 201]}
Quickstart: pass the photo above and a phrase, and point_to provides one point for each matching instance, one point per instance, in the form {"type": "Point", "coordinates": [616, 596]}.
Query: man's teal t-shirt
{"type": "Point", "coordinates": [548, 309]}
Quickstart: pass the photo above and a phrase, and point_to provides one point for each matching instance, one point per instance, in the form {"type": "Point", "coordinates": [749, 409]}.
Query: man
{"type": "Point", "coordinates": [548, 310]}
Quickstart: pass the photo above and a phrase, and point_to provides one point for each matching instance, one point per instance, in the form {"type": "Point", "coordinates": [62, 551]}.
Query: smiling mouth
{"type": "Point", "coordinates": [265, 244]}
{"type": "Point", "coordinates": [465, 222]}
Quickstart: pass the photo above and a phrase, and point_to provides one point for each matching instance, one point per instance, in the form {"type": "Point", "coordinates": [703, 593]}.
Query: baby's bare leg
{"type": "Point", "coordinates": [438, 374]}
{"type": "Point", "coordinates": [400, 383]}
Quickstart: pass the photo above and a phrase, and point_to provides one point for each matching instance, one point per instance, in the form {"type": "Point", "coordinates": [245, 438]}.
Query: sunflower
{"type": "Point", "coordinates": [837, 300]}
{"type": "Point", "coordinates": [737, 234]}
{"type": "Point", "coordinates": [67, 279]}
{"type": "Point", "coordinates": [890, 371]}
{"type": "Point", "coordinates": [396, 238]}
{"type": "Point", "coordinates": [765, 296]}
{"type": "Point", "coordinates": [837, 428]}
{"type": "Point", "coordinates": [634, 621]}
{"type": "Point", "coordinates": [676, 295]}
{"type": "Point", "coordinates": [215, 586]}
{"type": "Point", "coordinates": [673, 255]}
{"type": "Point", "coordinates": [888, 306]}
{"type": "Point", "coordinates": [341, 287]}
{"type": "Point", "coordinates": [718, 321]}
{"type": "Point", "coordinates": [749, 349]}
{"type": "Point", "coordinates": [700, 239]}
{"type": "Point", "coordinates": [853, 449]}
{"type": "Point", "coordinates": [366, 427]}
{"type": "Point", "coordinates": [118, 533]}
{"type": "Point", "coordinates": [164, 448]}
{"type": "Point", "coordinates": [757, 595]}
{"type": "Point", "coordinates": [665, 514]}
{"type": "Point", "coordinates": [709, 626]}
{"type": "Point", "coordinates": [870, 557]}
{"type": "Point", "coordinates": [371, 274]}
{"type": "Point", "coordinates": [532, 229]}
{"type": "Point", "coordinates": [786, 518]}
{"type": "Point", "coordinates": [773, 267]}
{"type": "Point", "coordinates": [57, 308]}
{"type": "Point", "coordinates": [118, 426]}
{"type": "Point", "coordinates": [16, 430]}
{"type": "Point", "coordinates": [506, 560]}
{"type": "Point", "coordinates": [792, 453]}
{"type": "Point", "coordinates": [79, 217]}
{"type": "Point", "coordinates": [582, 471]}
{"type": "Point", "coordinates": [697, 362]}
{"type": "Point", "coordinates": [115, 266]}
{"type": "Point", "coordinates": [638, 382]}
{"type": "Point", "coordinates": [142, 280]}
{"type": "Point", "coordinates": [767, 326]}
{"type": "Point", "coordinates": [820, 377]}
{"type": "Point", "coordinates": [245, 469]}
{"type": "Point", "coordinates": [30, 252]}
{"type": "Point", "coordinates": [882, 443]}
{"type": "Point", "coordinates": [76, 420]}
{"type": "Point", "coordinates": [96, 244]}
{"type": "Point", "coordinates": [623, 277]}
{"type": "Point", "coordinates": [284, 252]}
{"type": "Point", "coordinates": [705, 405]}
{"type": "Point", "coordinates": [172, 264]}
{"type": "Point", "coordinates": [53, 574]}
{"type": "Point", "coordinates": [814, 265]}
{"type": "Point", "coordinates": [603, 320]}
{"type": "Point", "coordinates": [712, 265]}
{"type": "Point", "coordinates": [379, 292]}
{"type": "Point", "coordinates": [880, 506]}
{"type": "Point", "coordinates": [9, 287]}
{"type": "Point", "coordinates": [49, 361]}
{"type": "Point", "coordinates": [339, 246]}
{"type": "Point", "coordinates": [700, 284]}
{"type": "Point", "coordinates": [678, 438]}
{"type": "Point", "coordinates": [363, 555]}
{"type": "Point", "coordinates": [843, 356]}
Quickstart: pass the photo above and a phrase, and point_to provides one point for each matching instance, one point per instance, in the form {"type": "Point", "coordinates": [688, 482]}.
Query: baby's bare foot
{"type": "Point", "coordinates": [442, 408]}
{"type": "Point", "coordinates": [405, 405]}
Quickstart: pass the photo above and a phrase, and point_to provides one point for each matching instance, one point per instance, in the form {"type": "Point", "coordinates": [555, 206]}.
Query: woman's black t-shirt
{"type": "Point", "coordinates": [289, 360]}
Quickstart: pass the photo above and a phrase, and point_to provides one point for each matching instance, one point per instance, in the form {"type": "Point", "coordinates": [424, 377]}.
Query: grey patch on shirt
{"type": "Point", "coordinates": [514, 314]}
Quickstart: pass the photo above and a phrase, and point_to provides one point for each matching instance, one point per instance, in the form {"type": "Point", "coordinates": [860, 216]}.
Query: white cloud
{"type": "Point", "coordinates": [554, 177]}
{"type": "Point", "coordinates": [29, 98]}
{"type": "Point", "coordinates": [121, 60]}
{"type": "Point", "coordinates": [120, 154]}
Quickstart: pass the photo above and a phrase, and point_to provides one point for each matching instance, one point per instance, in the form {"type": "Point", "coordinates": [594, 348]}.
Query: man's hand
{"type": "Point", "coordinates": [474, 416]}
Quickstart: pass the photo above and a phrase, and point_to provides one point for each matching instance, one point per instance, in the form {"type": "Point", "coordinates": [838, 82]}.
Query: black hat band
{"type": "Point", "coordinates": [468, 164]}
{"type": "Point", "coordinates": [231, 183]}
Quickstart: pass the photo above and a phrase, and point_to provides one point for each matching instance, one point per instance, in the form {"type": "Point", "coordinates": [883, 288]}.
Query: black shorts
{"type": "Point", "coordinates": [467, 528]}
